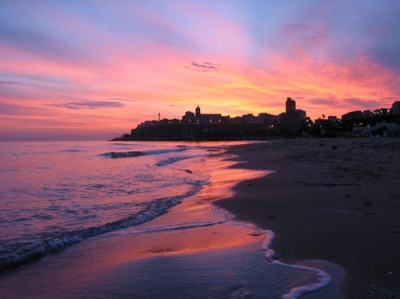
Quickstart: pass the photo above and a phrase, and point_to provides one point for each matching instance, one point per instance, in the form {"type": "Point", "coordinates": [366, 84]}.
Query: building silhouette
{"type": "Point", "coordinates": [290, 121]}
{"type": "Point", "coordinates": [293, 122]}
{"type": "Point", "coordinates": [290, 105]}
{"type": "Point", "coordinates": [396, 108]}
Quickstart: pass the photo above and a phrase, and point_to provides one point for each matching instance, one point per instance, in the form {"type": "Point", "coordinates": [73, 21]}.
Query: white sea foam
{"type": "Point", "coordinates": [78, 194]}
{"type": "Point", "coordinates": [173, 160]}
{"type": "Point", "coordinates": [297, 292]}
{"type": "Point", "coordinates": [181, 226]}
{"type": "Point", "coordinates": [127, 154]}
{"type": "Point", "coordinates": [62, 193]}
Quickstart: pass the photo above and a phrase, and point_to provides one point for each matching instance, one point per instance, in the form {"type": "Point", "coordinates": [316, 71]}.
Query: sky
{"type": "Point", "coordinates": [93, 70]}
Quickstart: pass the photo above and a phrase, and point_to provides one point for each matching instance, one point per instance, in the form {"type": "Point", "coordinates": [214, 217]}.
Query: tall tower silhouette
{"type": "Point", "coordinates": [197, 111]}
{"type": "Point", "coordinates": [290, 105]}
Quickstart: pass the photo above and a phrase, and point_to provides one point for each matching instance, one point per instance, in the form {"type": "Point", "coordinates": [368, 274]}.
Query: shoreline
{"type": "Point", "coordinates": [196, 139]}
{"type": "Point", "coordinates": [308, 223]}
{"type": "Point", "coordinates": [334, 200]}
{"type": "Point", "coordinates": [193, 244]}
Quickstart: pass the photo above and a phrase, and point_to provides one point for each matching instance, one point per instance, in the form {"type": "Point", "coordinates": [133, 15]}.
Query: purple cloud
{"type": "Point", "coordinates": [207, 66]}
{"type": "Point", "coordinates": [89, 105]}
{"type": "Point", "coordinates": [325, 102]}
{"type": "Point", "coordinates": [371, 104]}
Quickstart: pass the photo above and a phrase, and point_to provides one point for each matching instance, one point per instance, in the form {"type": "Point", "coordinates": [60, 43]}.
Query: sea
{"type": "Point", "coordinates": [103, 219]}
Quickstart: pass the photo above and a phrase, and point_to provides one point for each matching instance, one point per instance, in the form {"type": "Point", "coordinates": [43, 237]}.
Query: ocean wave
{"type": "Point", "coordinates": [54, 244]}
{"type": "Point", "coordinates": [72, 151]}
{"type": "Point", "coordinates": [8, 170]}
{"type": "Point", "coordinates": [182, 226]}
{"type": "Point", "coordinates": [323, 277]}
{"type": "Point", "coordinates": [173, 160]}
{"type": "Point", "coordinates": [121, 144]}
{"type": "Point", "coordinates": [127, 154]}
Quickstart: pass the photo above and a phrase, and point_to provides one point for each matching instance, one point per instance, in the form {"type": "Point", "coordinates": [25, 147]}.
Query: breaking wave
{"type": "Point", "coordinates": [323, 277]}
{"type": "Point", "coordinates": [128, 154]}
{"type": "Point", "coordinates": [173, 160]}
{"type": "Point", "coordinates": [152, 210]}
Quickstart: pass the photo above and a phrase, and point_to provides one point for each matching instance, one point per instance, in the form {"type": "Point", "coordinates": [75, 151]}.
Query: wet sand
{"type": "Point", "coordinates": [336, 200]}
{"type": "Point", "coordinates": [193, 251]}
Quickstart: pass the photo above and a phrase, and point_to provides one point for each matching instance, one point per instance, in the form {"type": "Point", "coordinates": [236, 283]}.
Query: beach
{"type": "Point", "coordinates": [285, 218]}
{"type": "Point", "coordinates": [334, 200]}
{"type": "Point", "coordinates": [123, 220]}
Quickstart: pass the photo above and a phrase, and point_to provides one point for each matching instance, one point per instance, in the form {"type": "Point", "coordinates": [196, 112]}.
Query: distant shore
{"type": "Point", "coordinates": [336, 200]}
{"type": "Point", "coordinates": [194, 139]}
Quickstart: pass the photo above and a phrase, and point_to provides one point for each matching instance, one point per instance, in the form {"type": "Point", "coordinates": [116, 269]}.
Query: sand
{"type": "Point", "coordinates": [336, 200]}
{"type": "Point", "coordinates": [332, 204]}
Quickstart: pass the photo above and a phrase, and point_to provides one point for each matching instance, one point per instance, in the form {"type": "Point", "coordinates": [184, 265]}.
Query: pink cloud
{"type": "Point", "coordinates": [173, 64]}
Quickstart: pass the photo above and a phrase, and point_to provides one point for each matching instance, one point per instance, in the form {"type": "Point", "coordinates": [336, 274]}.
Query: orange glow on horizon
{"type": "Point", "coordinates": [127, 78]}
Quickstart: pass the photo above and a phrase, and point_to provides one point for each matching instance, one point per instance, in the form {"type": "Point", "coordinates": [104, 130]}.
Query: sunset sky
{"type": "Point", "coordinates": [95, 69]}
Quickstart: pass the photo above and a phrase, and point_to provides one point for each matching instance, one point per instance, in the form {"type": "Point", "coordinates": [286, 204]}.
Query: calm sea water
{"type": "Point", "coordinates": [55, 195]}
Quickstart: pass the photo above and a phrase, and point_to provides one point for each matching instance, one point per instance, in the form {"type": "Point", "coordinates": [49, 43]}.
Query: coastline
{"type": "Point", "coordinates": [335, 200]}
{"type": "Point", "coordinates": [193, 251]}
{"type": "Point", "coordinates": [194, 237]}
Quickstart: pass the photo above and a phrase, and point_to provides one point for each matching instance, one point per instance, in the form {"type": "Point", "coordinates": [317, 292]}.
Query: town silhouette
{"type": "Point", "coordinates": [196, 125]}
